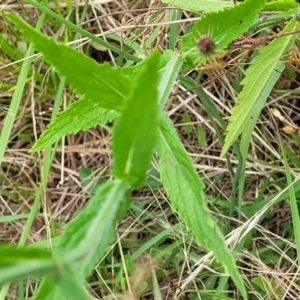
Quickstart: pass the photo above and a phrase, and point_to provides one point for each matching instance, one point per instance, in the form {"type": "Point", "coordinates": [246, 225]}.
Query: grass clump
{"type": "Point", "coordinates": [112, 115]}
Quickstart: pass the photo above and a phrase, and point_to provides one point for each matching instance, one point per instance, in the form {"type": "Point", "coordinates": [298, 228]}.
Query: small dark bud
{"type": "Point", "coordinates": [206, 45]}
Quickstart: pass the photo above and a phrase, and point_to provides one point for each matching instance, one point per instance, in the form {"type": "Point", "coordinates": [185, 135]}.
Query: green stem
{"type": "Point", "coordinates": [273, 20]}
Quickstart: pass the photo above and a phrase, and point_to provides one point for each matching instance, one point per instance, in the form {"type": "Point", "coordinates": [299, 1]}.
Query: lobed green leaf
{"type": "Point", "coordinates": [222, 27]}
{"type": "Point", "coordinates": [85, 113]}
{"type": "Point", "coordinates": [255, 80]}
{"type": "Point", "coordinates": [99, 83]}
{"type": "Point", "coordinates": [85, 239]}
{"type": "Point", "coordinates": [80, 115]}
{"type": "Point", "coordinates": [136, 129]}
{"type": "Point", "coordinates": [186, 192]}
{"type": "Point", "coordinates": [17, 263]}
{"type": "Point", "coordinates": [88, 235]}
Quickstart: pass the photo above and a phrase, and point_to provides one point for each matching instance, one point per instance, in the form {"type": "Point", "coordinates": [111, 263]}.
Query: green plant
{"type": "Point", "coordinates": [142, 128]}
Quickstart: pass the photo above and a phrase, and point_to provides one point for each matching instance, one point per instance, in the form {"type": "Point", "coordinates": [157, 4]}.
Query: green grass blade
{"type": "Point", "coordinates": [136, 129]}
{"type": "Point", "coordinates": [13, 53]}
{"type": "Point", "coordinates": [186, 192]}
{"type": "Point", "coordinates": [281, 5]}
{"type": "Point", "coordinates": [81, 31]}
{"type": "Point", "coordinates": [203, 5]}
{"type": "Point", "coordinates": [10, 119]}
{"type": "Point", "coordinates": [11, 218]}
{"type": "Point", "coordinates": [294, 204]}
{"type": "Point", "coordinates": [97, 82]}
{"type": "Point", "coordinates": [256, 78]}
{"type": "Point", "coordinates": [250, 210]}
{"type": "Point", "coordinates": [174, 29]}
{"type": "Point", "coordinates": [15, 102]}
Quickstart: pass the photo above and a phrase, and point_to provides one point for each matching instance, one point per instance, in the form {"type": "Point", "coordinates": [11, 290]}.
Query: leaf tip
{"type": "Point", "coordinates": [36, 146]}
{"type": "Point", "coordinates": [225, 149]}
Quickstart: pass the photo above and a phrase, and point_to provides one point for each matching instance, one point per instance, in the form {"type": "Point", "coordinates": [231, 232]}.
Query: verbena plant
{"type": "Point", "coordinates": [134, 99]}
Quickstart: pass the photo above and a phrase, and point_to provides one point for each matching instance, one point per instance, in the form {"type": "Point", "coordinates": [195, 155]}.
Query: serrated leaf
{"type": "Point", "coordinates": [203, 5]}
{"type": "Point", "coordinates": [85, 114]}
{"type": "Point", "coordinates": [135, 131]}
{"type": "Point", "coordinates": [16, 263]}
{"type": "Point", "coordinates": [99, 83]}
{"type": "Point", "coordinates": [222, 27]}
{"type": "Point", "coordinates": [281, 5]}
{"type": "Point", "coordinates": [85, 239]}
{"type": "Point", "coordinates": [186, 192]}
{"type": "Point", "coordinates": [88, 235]}
{"type": "Point", "coordinates": [255, 79]}
{"type": "Point", "coordinates": [80, 115]}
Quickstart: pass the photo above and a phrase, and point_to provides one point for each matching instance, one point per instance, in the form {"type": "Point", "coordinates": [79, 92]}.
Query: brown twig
{"type": "Point", "coordinates": [254, 42]}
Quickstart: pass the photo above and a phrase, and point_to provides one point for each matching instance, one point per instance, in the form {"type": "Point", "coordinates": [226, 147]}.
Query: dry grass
{"type": "Point", "coordinates": [191, 267]}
